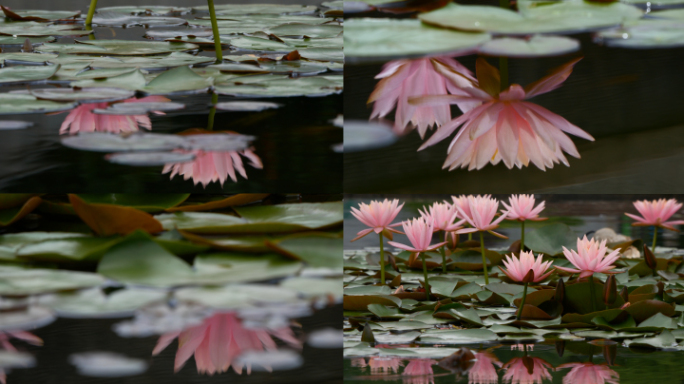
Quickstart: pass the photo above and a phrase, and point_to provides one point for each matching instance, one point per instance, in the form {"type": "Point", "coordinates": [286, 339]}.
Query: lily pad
{"type": "Point", "coordinates": [144, 202]}
{"type": "Point", "coordinates": [116, 47]}
{"type": "Point", "coordinates": [147, 10]}
{"type": "Point", "coordinates": [304, 86]}
{"type": "Point", "coordinates": [260, 9]}
{"type": "Point", "coordinates": [107, 19]}
{"type": "Point", "coordinates": [40, 15]}
{"type": "Point", "coordinates": [17, 41]}
{"type": "Point", "coordinates": [19, 282]}
{"type": "Point", "coordinates": [94, 303]}
{"type": "Point", "coordinates": [35, 29]}
{"type": "Point", "coordinates": [315, 250]}
{"type": "Point", "coordinates": [90, 95]}
{"type": "Point", "coordinates": [13, 214]}
{"type": "Point", "coordinates": [142, 108]}
{"type": "Point", "coordinates": [536, 46]}
{"type": "Point", "coordinates": [550, 239]}
{"type": "Point", "coordinates": [246, 106]}
{"type": "Point", "coordinates": [106, 142]}
{"type": "Point", "coordinates": [149, 159]}
{"type": "Point", "coordinates": [235, 296]}
{"type": "Point", "coordinates": [16, 104]}
{"type": "Point", "coordinates": [110, 219]}
{"type": "Point", "coordinates": [306, 30]}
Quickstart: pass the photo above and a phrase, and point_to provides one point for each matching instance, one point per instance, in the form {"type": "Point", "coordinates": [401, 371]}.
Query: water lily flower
{"type": "Point", "coordinates": [384, 365]}
{"type": "Point", "coordinates": [5, 336]}
{"type": "Point", "coordinates": [518, 267]}
{"type": "Point", "coordinates": [220, 340]}
{"type": "Point", "coordinates": [82, 118]}
{"type": "Point", "coordinates": [656, 213]}
{"type": "Point", "coordinates": [378, 215]}
{"type": "Point", "coordinates": [358, 362]}
{"type": "Point", "coordinates": [590, 258]}
{"type": "Point", "coordinates": [522, 208]}
{"type": "Point", "coordinates": [484, 369]}
{"type": "Point", "coordinates": [443, 217]}
{"type": "Point", "coordinates": [404, 79]}
{"type": "Point", "coordinates": [589, 373]}
{"type": "Point", "coordinates": [526, 370]}
{"type": "Point", "coordinates": [419, 232]}
{"type": "Point", "coordinates": [209, 167]}
{"type": "Point", "coordinates": [420, 367]}
{"type": "Point", "coordinates": [505, 127]}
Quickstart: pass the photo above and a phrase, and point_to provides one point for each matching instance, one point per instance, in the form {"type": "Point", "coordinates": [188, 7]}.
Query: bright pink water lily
{"type": "Point", "coordinates": [419, 233]}
{"type": "Point", "coordinates": [378, 215]}
{"type": "Point", "coordinates": [522, 208]}
{"type": "Point", "coordinates": [505, 127]}
{"type": "Point", "coordinates": [589, 373]}
{"type": "Point", "coordinates": [82, 118]}
{"type": "Point", "coordinates": [481, 214]}
{"type": "Point", "coordinates": [462, 203]}
{"type": "Point", "coordinates": [443, 217]}
{"type": "Point", "coordinates": [404, 79]}
{"type": "Point", "coordinates": [518, 372]}
{"type": "Point", "coordinates": [590, 258]}
{"type": "Point", "coordinates": [484, 369]}
{"type": "Point", "coordinates": [656, 213]}
{"type": "Point", "coordinates": [211, 167]}
{"type": "Point", "coordinates": [518, 267]}
{"type": "Point", "coordinates": [220, 340]}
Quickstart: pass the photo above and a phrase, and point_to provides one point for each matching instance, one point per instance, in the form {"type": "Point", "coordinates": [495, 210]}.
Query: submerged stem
{"type": "Point", "coordinates": [592, 292]}
{"type": "Point", "coordinates": [484, 259]}
{"type": "Point", "coordinates": [214, 28]}
{"type": "Point", "coordinates": [382, 260]}
{"type": "Point", "coordinates": [522, 303]}
{"type": "Point", "coordinates": [425, 276]}
{"type": "Point", "coordinates": [91, 12]}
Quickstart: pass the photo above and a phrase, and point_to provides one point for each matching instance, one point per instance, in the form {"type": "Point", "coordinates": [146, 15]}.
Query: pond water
{"type": "Point", "coordinates": [290, 149]}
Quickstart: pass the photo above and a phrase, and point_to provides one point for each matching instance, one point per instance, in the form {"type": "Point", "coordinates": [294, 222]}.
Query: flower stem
{"type": "Point", "coordinates": [382, 261]}
{"type": "Point", "coordinates": [91, 12]}
{"type": "Point", "coordinates": [470, 236]}
{"type": "Point", "coordinates": [214, 28]}
{"type": "Point", "coordinates": [522, 304]}
{"type": "Point", "coordinates": [425, 276]}
{"type": "Point", "coordinates": [592, 292]}
{"type": "Point", "coordinates": [484, 259]}
{"type": "Point", "coordinates": [443, 252]}
{"type": "Point", "coordinates": [655, 237]}
{"type": "Point", "coordinates": [522, 236]}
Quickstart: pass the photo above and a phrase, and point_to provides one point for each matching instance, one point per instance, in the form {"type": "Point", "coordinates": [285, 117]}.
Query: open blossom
{"type": "Point", "coordinates": [419, 233]}
{"type": "Point", "coordinates": [378, 215]}
{"type": "Point", "coordinates": [589, 373]}
{"type": "Point", "coordinates": [656, 213]}
{"type": "Point", "coordinates": [481, 213]}
{"type": "Point", "coordinates": [384, 365]}
{"type": "Point", "coordinates": [505, 127]}
{"type": "Point", "coordinates": [590, 258]}
{"type": "Point", "coordinates": [442, 216]}
{"type": "Point", "coordinates": [484, 370]}
{"type": "Point", "coordinates": [518, 267]}
{"type": "Point", "coordinates": [403, 79]}
{"type": "Point", "coordinates": [518, 372]}
{"type": "Point", "coordinates": [220, 340]}
{"type": "Point", "coordinates": [522, 208]}
{"type": "Point", "coordinates": [212, 166]}
{"type": "Point", "coordinates": [82, 118]}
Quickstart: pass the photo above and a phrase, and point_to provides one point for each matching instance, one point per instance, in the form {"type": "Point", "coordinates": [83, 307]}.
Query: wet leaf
{"type": "Point", "coordinates": [18, 282]}
{"type": "Point", "coordinates": [90, 95]}
{"type": "Point", "coordinates": [145, 10]}
{"type": "Point", "coordinates": [361, 302]}
{"type": "Point", "coordinates": [106, 19]}
{"type": "Point", "coordinates": [71, 249]}
{"type": "Point", "coordinates": [644, 309]}
{"type": "Point", "coordinates": [319, 250]}
{"type": "Point", "coordinates": [116, 47]}
{"type": "Point", "coordinates": [94, 303]}
{"type": "Point", "coordinates": [246, 106]}
{"type": "Point", "coordinates": [536, 46]}
{"type": "Point", "coordinates": [36, 29]}
{"type": "Point", "coordinates": [149, 159]}
{"type": "Point", "coordinates": [108, 219]}
{"type": "Point", "coordinates": [235, 296]}
{"type": "Point", "coordinates": [26, 74]}
{"type": "Point", "coordinates": [458, 336]}
{"type": "Point", "coordinates": [106, 142]}
{"type": "Point", "coordinates": [261, 9]}
{"type": "Point", "coordinates": [232, 201]}
{"type": "Point", "coordinates": [11, 215]}
{"type": "Point", "coordinates": [14, 103]}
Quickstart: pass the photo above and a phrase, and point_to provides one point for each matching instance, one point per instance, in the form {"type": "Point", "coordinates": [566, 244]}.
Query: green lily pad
{"type": "Point", "coordinates": [644, 309]}
{"type": "Point", "coordinates": [252, 43]}
{"type": "Point", "coordinates": [106, 142]}
{"type": "Point", "coordinates": [94, 303]}
{"type": "Point", "coordinates": [90, 95]}
{"type": "Point", "coordinates": [16, 104]}
{"type": "Point", "coordinates": [315, 250]}
{"type": "Point", "coordinates": [116, 47]}
{"type": "Point", "coordinates": [306, 30]}
{"type": "Point", "coordinates": [147, 10]}
{"type": "Point", "coordinates": [361, 302]}
{"type": "Point", "coordinates": [536, 46]}
{"type": "Point", "coordinates": [235, 296]}
{"type": "Point", "coordinates": [127, 21]}
{"type": "Point", "coordinates": [322, 54]}
{"type": "Point", "coordinates": [303, 86]}
{"type": "Point", "coordinates": [385, 38]}
{"type": "Point", "coordinates": [312, 287]}
{"type": "Point", "coordinates": [659, 321]}
{"type": "Point", "coordinates": [644, 33]}
{"type": "Point", "coordinates": [13, 214]}
{"type": "Point", "coordinates": [260, 9]}
{"type": "Point", "coordinates": [41, 15]}
{"type": "Point", "coordinates": [16, 40]}
{"type": "Point", "coordinates": [180, 79]}
{"type": "Point", "coordinates": [458, 336]}
{"type": "Point", "coordinates": [34, 29]}
{"type": "Point", "coordinates": [71, 249]}
{"type": "Point", "coordinates": [665, 340]}
{"type": "Point", "coordinates": [246, 106]}
{"type": "Point", "coordinates": [19, 282]}
{"type": "Point", "coordinates": [550, 239]}
{"type": "Point", "coordinates": [143, 202]}
{"type": "Point", "coordinates": [383, 311]}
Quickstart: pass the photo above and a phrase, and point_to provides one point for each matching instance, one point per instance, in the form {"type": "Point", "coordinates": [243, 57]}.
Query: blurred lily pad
{"type": "Point", "coordinates": [113, 19]}
{"type": "Point", "coordinates": [116, 47]}
{"type": "Point", "coordinates": [19, 282]}
{"type": "Point", "coordinates": [144, 202]}
{"type": "Point", "coordinates": [147, 10]}
{"type": "Point", "coordinates": [94, 303]}
{"type": "Point", "coordinates": [535, 46]}
{"type": "Point", "coordinates": [36, 29]}
{"type": "Point", "coordinates": [13, 214]}
{"type": "Point", "coordinates": [106, 142]}
{"type": "Point", "coordinates": [15, 104]}
{"type": "Point", "coordinates": [260, 9]}
{"type": "Point", "coordinates": [320, 250]}
{"type": "Point", "coordinates": [91, 95]}
{"type": "Point", "coordinates": [110, 219]}
{"type": "Point", "coordinates": [246, 106]}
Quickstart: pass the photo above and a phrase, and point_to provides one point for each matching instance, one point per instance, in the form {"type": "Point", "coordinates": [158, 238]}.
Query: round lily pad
{"type": "Point", "coordinates": [139, 108]}
{"type": "Point", "coordinates": [644, 34]}
{"type": "Point", "coordinates": [196, 32]}
{"type": "Point", "coordinates": [89, 95]}
{"type": "Point", "coordinates": [260, 9]}
{"type": "Point", "coordinates": [246, 106]}
{"type": "Point", "coordinates": [304, 86]}
{"type": "Point", "coordinates": [105, 142]}
{"type": "Point", "coordinates": [16, 41]}
{"type": "Point", "coordinates": [127, 21]}
{"type": "Point", "coordinates": [16, 103]}
{"type": "Point", "coordinates": [8, 125]}
{"type": "Point", "coordinates": [107, 364]}
{"type": "Point", "coordinates": [364, 135]}
{"type": "Point", "coordinates": [117, 47]}
{"type": "Point", "coordinates": [146, 10]}
{"type": "Point", "coordinates": [306, 30]}
{"type": "Point", "coordinates": [26, 73]}
{"type": "Point", "coordinates": [384, 39]}
{"type": "Point", "coordinates": [34, 29]}
{"type": "Point", "coordinates": [41, 15]}
{"type": "Point", "coordinates": [536, 46]}
{"type": "Point", "coordinates": [149, 159]}
{"type": "Point", "coordinates": [217, 142]}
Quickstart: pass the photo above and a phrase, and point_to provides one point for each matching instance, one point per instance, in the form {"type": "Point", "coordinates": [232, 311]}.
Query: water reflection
{"type": "Point", "coordinates": [589, 373]}
{"type": "Point", "coordinates": [210, 167]}
{"type": "Point", "coordinates": [484, 369]}
{"type": "Point", "coordinates": [419, 371]}
{"type": "Point", "coordinates": [526, 370]}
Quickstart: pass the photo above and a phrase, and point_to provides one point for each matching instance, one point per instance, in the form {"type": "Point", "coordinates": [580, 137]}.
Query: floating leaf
{"type": "Point", "coordinates": [306, 30]}
{"type": "Point", "coordinates": [303, 86]}
{"type": "Point", "coordinates": [246, 106]}
{"type": "Point", "coordinates": [35, 29]}
{"type": "Point", "coordinates": [94, 303]}
{"type": "Point", "coordinates": [235, 296]}
{"type": "Point", "coordinates": [536, 46]}
{"type": "Point", "coordinates": [144, 202]}
{"type": "Point", "coordinates": [20, 41]}
{"type": "Point", "coordinates": [260, 9]}
{"type": "Point", "coordinates": [116, 47]}
{"type": "Point", "coordinates": [71, 249]}
{"type": "Point", "coordinates": [109, 219]}
{"type": "Point", "coordinates": [550, 239]}
{"type": "Point", "coordinates": [11, 215]}
{"type": "Point", "coordinates": [180, 79]}
{"type": "Point", "coordinates": [315, 250]}
{"type": "Point", "coordinates": [232, 201]}
{"type": "Point", "coordinates": [106, 142]}
{"type": "Point", "coordinates": [147, 10]}
{"type": "Point", "coordinates": [106, 19]}
{"type": "Point", "coordinates": [15, 103]}
{"type": "Point", "coordinates": [17, 282]}
{"type": "Point", "coordinates": [361, 302]}
{"type": "Point", "coordinates": [90, 95]}
{"type": "Point", "coordinates": [458, 336]}
{"type": "Point", "coordinates": [40, 15]}
{"type": "Point", "coordinates": [150, 159]}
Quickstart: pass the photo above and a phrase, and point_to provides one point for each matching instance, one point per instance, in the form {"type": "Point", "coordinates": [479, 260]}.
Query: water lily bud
{"type": "Point", "coordinates": [610, 290]}
{"type": "Point", "coordinates": [650, 258]}
{"type": "Point", "coordinates": [624, 294]}
{"type": "Point", "coordinates": [560, 347]}
{"type": "Point", "coordinates": [452, 239]}
{"type": "Point", "coordinates": [367, 334]}
{"type": "Point", "coordinates": [529, 277]}
{"type": "Point", "coordinates": [560, 291]}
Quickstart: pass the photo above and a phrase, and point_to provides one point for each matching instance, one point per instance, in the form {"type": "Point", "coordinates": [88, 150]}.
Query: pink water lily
{"type": "Point", "coordinates": [481, 213]}
{"type": "Point", "coordinates": [484, 369]}
{"type": "Point", "coordinates": [505, 127]}
{"type": "Point", "coordinates": [590, 258]}
{"type": "Point", "coordinates": [443, 217]}
{"type": "Point", "coordinates": [384, 365]}
{"type": "Point", "coordinates": [657, 213]}
{"type": "Point", "coordinates": [589, 373]}
{"type": "Point", "coordinates": [419, 233]}
{"type": "Point", "coordinates": [82, 118]}
{"type": "Point", "coordinates": [462, 203]}
{"type": "Point", "coordinates": [419, 367]}
{"type": "Point", "coordinates": [518, 267]}
{"type": "Point", "coordinates": [518, 370]}
{"type": "Point", "coordinates": [5, 337]}
{"type": "Point", "coordinates": [522, 208]}
{"type": "Point", "coordinates": [404, 79]}
{"type": "Point", "coordinates": [220, 340]}
{"type": "Point", "coordinates": [210, 167]}
{"type": "Point", "coordinates": [378, 215]}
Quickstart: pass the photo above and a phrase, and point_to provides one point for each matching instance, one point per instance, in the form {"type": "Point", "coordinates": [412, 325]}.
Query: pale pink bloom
{"type": "Point", "coordinates": [384, 365]}
{"type": "Point", "coordinates": [359, 362]}
{"type": "Point", "coordinates": [82, 119]}
{"type": "Point", "coordinates": [462, 203]}
{"type": "Point", "coordinates": [518, 267]}
{"type": "Point", "coordinates": [419, 233]}
{"type": "Point", "coordinates": [484, 370]}
{"type": "Point", "coordinates": [590, 258]}
{"type": "Point", "coordinates": [27, 337]}
{"type": "Point", "coordinates": [378, 215]}
{"type": "Point", "coordinates": [404, 79]}
{"type": "Point", "coordinates": [517, 371]}
{"type": "Point", "coordinates": [220, 340]}
{"type": "Point", "coordinates": [419, 367]}
{"type": "Point", "coordinates": [505, 126]}
{"type": "Point", "coordinates": [657, 212]}
{"type": "Point", "coordinates": [522, 208]}
{"type": "Point", "coordinates": [442, 216]}
{"type": "Point", "coordinates": [589, 373]}
{"type": "Point", "coordinates": [482, 210]}
{"type": "Point", "coordinates": [210, 167]}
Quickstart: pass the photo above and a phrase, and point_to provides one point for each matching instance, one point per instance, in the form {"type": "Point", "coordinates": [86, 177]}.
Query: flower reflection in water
{"type": "Point", "coordinates": [526, 370]}
{"type": "Point", "coordinates": [220, 340]}
{"type": "Point", "coordinates": [419, 371]}
{"type": "Point", "coordinates": [589, 373]}
{"type": "Point", "coordinates": [384, 365]}
{"type": "Point", "coordinates": [484, 370]}
{"type": "Point", "coordinates": [210, 167]}
{"type": "Point", "coordinates": [82, 118]}
{"type": "Point", "coordinates": [5, 337]}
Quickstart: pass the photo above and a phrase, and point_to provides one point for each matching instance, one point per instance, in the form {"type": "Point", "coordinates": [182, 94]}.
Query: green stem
{"type": "Point", "coordinates": [503, 70]}
{"type": "Point", "coordinates": [425, 276]}
{"type": "Point", "coordinates": [522, 237]}
{"type": "Point", "coordinates": [91, 12]}
{"type": "Point", "coordinates": [592, 292]}
{"type": "Point", "coordinates": [443, 252]}
{"type": "Point", "coordinates": [212, 112]}
{"type": "Point", "coordinates": [655, 237]}
{"type": "Point", "coordinates": [484, 259]}
{"type": "Point", "coordinates": [470, 236]}
{"type": "Point", "coordinates": [382, 260]}
{"type": "Point", "coordinates": [522, 304]}
{"type": "Point", "coordinates": [215, 29]}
